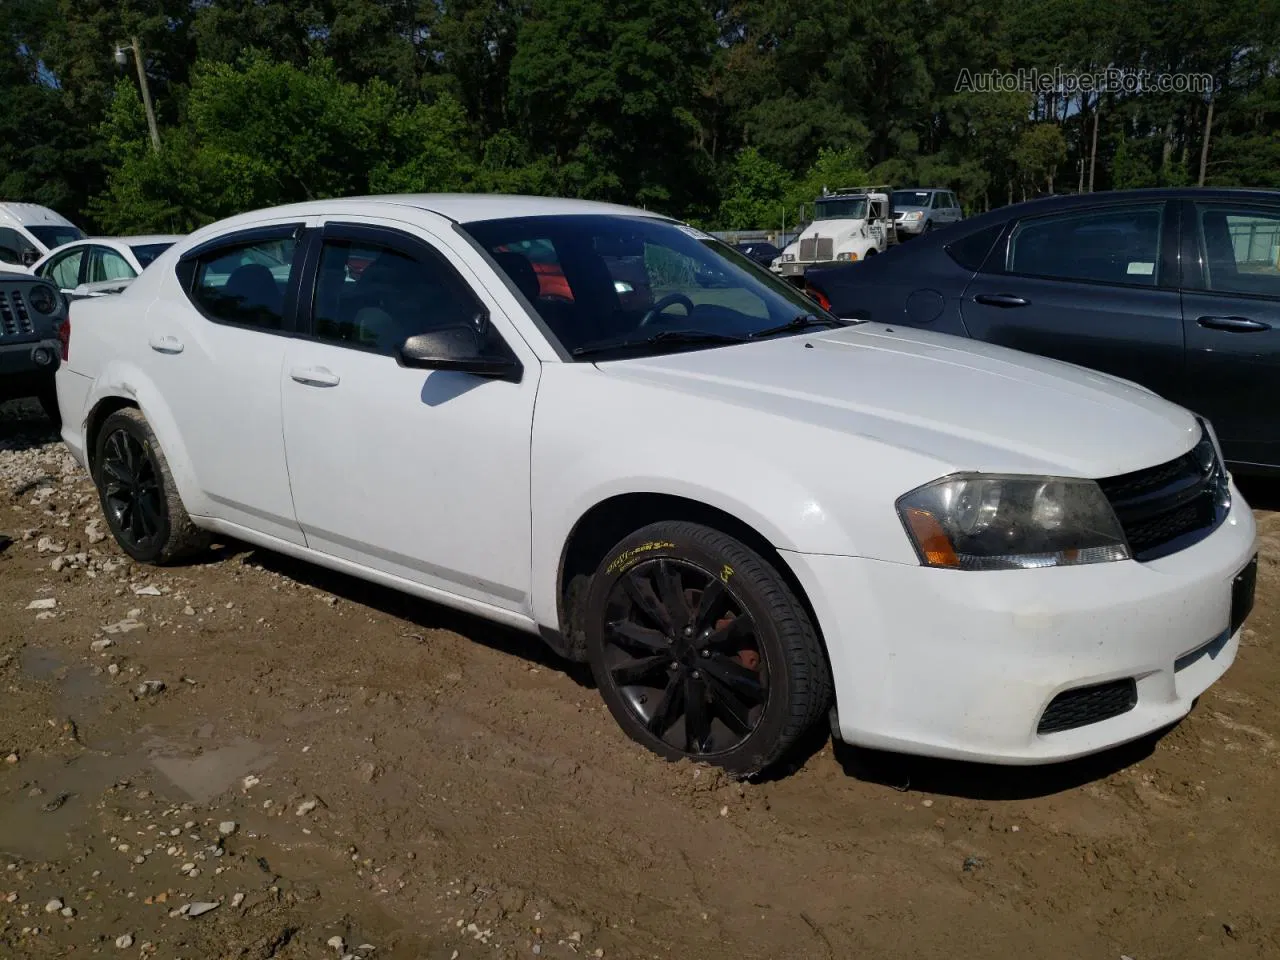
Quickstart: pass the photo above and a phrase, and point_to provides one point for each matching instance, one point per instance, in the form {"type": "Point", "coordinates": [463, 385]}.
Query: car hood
{"type": "Point", "coordinates": [963, 404]}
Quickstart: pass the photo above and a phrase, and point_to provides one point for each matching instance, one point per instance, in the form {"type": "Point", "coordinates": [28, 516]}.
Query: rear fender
{"type": "Point", "coordinates": [124, 380]}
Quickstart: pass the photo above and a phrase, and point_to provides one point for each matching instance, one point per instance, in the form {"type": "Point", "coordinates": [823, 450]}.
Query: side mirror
{"type": "Point", "coordinates": [461, 349]}
{"type": "Point", "coordinates": [29, 257]}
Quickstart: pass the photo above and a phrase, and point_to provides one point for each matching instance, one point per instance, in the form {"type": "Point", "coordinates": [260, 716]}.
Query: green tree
{"type": "Point", "coordinates": [605, 91]}
{"type": "Point", "coordinates": [755, 194]}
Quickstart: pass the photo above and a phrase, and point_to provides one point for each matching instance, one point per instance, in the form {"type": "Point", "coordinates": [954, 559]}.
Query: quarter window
{"type": "Point", "coordinates": [1116, 245]}
{"type": "Point", "coordinates": [245, 284]}
{"type": "Point", "coordinates": [374, 296]}
{"type": "Point", "coordinates": [1240, 248]}
{"type": "Point", "coordinates": [64, 270]}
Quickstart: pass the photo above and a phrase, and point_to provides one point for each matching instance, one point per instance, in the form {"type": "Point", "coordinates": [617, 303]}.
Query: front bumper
{"type": "Point", "coordinates": [909, 227]}
{"type": "Point", "coordinates": [963, 664]}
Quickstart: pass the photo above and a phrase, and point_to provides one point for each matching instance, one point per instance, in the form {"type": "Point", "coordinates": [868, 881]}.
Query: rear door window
{"type": "Point", "coordinates": [1240, 248]}
{"type": "Point", "coordinates": [245, 283]}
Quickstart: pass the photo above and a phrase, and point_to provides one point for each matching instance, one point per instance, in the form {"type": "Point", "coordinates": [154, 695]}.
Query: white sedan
{"type": "Point", "coordinates": [97, 265]}
{"type": "Point", "coordinates": [604, 427]}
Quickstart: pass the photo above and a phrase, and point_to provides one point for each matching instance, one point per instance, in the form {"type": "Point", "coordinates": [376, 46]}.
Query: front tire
{"type": "Point", "coordinates": [701, 650]}
{"type": "Point", "coordinates": [139, 498]}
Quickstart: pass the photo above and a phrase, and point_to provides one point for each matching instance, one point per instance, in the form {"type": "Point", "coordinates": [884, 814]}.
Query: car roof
{"type": "Point", "coordinates": [1045, 205]}
{"type": "Point", "coordinates": [31, 214]}
{"type": "Point", "coordinates": [139, 240]}
{"type": "Point", "coordinates": [458, 207]}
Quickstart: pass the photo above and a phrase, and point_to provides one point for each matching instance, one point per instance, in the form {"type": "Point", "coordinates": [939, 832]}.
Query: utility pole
{"type": "Point", "coordinates": [122, 58]}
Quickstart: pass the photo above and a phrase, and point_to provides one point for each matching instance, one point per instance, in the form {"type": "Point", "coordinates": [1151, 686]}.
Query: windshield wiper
{"type": "Point", "coordinates": [802, 322]}
{"type": "Point", "coordinates": [662, 337]}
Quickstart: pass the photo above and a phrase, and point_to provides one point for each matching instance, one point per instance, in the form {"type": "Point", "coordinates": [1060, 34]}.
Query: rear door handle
{"type": "Point", "coordinates": [315, 376]}
{"type": "Point", "coordinates": [1233, 324]}
{"type": "Point", "coordinates": [1001, 300]}
{"type": "Point", "coordinates": [166, 344]}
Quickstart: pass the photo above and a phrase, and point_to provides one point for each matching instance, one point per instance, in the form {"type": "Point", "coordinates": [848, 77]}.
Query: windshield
{"type": "Point", "coordinates": [56, 236]}
{"type": "Point", "coordinates": [595, 279]}
{"type": "Point", "coordinates": [146, 252]}
{"type": "Point", "coordinates": [849, 208]}
{"type": "Point", "coordinates": [910, 198]}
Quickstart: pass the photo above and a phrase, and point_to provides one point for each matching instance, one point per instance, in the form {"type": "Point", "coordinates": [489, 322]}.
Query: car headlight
{"type": "Point", "coordinates": [789, 257]}
{"type": "Point", "coordinates": [850, 255]}
{"type": "Point", "coordinates": [43, 299]}
{"type": "Point", "coordinates": [979, 521]}
{"type": "Point", "coordinates": [913, 215]}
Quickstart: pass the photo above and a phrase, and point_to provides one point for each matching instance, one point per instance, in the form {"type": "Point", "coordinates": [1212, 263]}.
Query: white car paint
{"type": "Point", "coordinates": [16, 222]}
{"type": "Point", "coordinates": [121, 246]}
{"type": "Point", "coordinates": [465, 491]}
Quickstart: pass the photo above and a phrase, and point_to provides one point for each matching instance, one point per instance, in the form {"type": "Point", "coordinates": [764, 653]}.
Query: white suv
{"type": "Point", "coordinates": [604, 427]}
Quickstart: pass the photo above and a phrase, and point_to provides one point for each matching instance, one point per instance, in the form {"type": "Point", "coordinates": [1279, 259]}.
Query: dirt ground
{"type": "Point", "coordinates": [330, 760]}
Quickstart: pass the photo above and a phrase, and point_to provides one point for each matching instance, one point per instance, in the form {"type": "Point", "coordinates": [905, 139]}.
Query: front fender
{"type": "Point", "coordinates": [802, 487]}
{"type": "Point", "coordinates": [123, 379]}
{"type": "Point", "coordinates": [777, 507]}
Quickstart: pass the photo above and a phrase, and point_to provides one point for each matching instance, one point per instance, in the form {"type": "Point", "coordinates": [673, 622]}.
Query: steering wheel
{"type": "Point", "coordinates": [669, 300]}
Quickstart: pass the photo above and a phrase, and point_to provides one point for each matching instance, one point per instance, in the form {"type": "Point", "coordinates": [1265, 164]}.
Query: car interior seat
{"type": "Point", "coordinates": [254, 294]}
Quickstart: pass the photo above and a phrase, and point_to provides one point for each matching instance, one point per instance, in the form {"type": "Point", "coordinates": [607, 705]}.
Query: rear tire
{"type": "Point", "coordinates": [139, 498]}
{"type": "Point", "coordinates": [701, 650]}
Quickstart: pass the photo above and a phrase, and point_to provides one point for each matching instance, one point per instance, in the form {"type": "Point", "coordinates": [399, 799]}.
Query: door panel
{"type": "Point", "coordinates": [216, 357]}
{"type": "Point", "coordinates": [1231, 315]}
{"type": "Point", "coordinates": [422, 474]}
{"type": "Point", "coordinates": [1090, 287]}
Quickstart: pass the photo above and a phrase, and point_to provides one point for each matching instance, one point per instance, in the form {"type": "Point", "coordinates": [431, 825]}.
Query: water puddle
{"type": "Point", "coordinates": [209, 773]}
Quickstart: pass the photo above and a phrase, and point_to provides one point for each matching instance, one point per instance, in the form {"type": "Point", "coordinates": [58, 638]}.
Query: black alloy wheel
{"type": "Point", "coordinates": [131, 492]}
{"type": "Point", "coordinates": [137, 491]}
{"type": "Point", "coordinates": [702, 650]}
{"type": "Point", "coordinates": [682, 652]}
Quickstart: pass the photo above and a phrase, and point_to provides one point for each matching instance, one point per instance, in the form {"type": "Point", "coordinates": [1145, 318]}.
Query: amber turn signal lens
{"type": "Point", "coordinates": [932, 539]}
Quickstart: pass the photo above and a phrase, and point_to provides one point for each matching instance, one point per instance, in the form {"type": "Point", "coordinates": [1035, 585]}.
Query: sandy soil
{"type": "Point", "coordinates": [329, 760]}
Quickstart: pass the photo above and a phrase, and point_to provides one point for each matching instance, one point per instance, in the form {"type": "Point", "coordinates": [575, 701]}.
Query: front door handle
{"type": "Point", "coordinates": [1233, 324]}
{"type": "Point", "coordinates": [166, 344]}
{"type": "Point", "coordinates": [1001, 300]}
{"type": "Point", "coordinates": [315, 376]}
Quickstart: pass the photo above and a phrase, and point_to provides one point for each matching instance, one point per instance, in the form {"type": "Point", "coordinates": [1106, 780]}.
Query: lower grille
{"type": "Point", "coordinates": [15, 318]}
{"type": "Point", "coordinates": [1085, 705]}
{"type": "Point", "coordinates": [1168, 507]}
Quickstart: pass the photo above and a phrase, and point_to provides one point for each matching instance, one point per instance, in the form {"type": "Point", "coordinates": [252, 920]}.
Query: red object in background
{"type": "Point", "coordinates": [357, 265]}
{"type": "Point", "coordinates": [817, 294]}
{"type": "Point", "coordinates": [551, 281]}
{"type": "Point", "coordinates": [64, 336]}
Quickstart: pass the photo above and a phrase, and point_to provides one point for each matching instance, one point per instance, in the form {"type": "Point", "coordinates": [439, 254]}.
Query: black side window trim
{"type": "Point", "coordinates": [1166, 253]}
{"type": "Point", "coordinates": [396, 240]}
{"type": "Point", "coordinates": [185, 270]}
